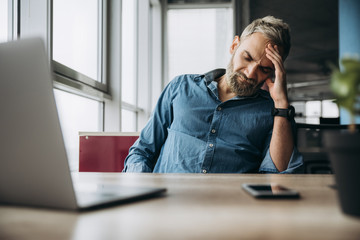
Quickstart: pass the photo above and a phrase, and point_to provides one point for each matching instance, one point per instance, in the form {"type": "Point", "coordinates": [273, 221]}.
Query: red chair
{"type": "Point", "coordinates": [104, 152]}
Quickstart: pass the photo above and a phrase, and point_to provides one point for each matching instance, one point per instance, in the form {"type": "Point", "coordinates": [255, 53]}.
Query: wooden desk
{"type": "Point", "coordinates": [196, 206]}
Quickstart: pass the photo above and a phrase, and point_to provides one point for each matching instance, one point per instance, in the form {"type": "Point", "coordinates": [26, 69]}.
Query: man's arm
{"type": "Point", "coordinates": [282, 143]}
{"type": "Point", "coordinates": [282, 140]}
{"type": "Point", "coordinates": [145, 151]}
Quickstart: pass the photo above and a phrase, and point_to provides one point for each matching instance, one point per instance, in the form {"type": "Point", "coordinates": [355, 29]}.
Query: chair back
{"type": "Point", "coordinates": [104, 152]}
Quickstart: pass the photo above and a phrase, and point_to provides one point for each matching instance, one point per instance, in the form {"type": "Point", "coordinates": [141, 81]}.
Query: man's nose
{"type": "Point", "coordinates": [251, 71]}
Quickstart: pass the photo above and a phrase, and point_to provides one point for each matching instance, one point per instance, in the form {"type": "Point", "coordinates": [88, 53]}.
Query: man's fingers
{"type": "Point", "coordinates": [275, 58]}
{"type": "Point", "coordinates": [269, 82]}
{"type": "Point", "coordinates": [275, 61]}
{"type": "Point", "coordinates": [274, 50]}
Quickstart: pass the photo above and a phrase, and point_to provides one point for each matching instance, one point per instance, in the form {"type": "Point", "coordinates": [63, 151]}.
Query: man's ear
{"type": "Point", "coordinates": [234, 44]}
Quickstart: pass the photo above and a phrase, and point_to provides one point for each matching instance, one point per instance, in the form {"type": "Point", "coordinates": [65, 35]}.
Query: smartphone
{"type": "Point", "coordinates": [269, 191]}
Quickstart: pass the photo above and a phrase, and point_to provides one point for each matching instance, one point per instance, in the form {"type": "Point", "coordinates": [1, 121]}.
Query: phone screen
{"type": "Point", "coordinates": [270, 191]}
{"type": "Point", "coordinates": [273, 189]}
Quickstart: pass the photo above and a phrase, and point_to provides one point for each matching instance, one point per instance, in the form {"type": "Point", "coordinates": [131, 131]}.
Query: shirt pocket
{"type": "Point", "coordinates": [181, 148]}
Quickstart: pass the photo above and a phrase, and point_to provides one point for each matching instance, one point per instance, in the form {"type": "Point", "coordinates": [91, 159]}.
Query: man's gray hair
{"type": "Point", "coordinates": [274, 29]}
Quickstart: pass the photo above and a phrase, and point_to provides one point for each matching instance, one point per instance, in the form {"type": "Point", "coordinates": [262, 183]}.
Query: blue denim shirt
{"type": "Point", "coordinates": [192, 131]}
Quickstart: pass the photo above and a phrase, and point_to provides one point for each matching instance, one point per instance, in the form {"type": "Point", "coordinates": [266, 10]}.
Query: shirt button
{"type": "Point", "coordinates": [211, 145]}
{"type": "Point", "coordinates": [204, 170]}
{"type": "Point", "coordinates": [219, 108]}
{"type": "Point", "coordinates": [213, 131]}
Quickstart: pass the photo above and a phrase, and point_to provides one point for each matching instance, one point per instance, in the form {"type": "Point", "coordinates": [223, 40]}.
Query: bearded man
{"type": "Point", "coordinates": [222, 121]}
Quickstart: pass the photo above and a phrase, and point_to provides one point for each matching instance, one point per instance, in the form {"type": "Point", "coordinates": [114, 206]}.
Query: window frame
{"type": "Point", "coordinates": [77, 82]}
{"type": "Point", "coordinates": [148, 73]}
{"type": "Point", "coordinates": [13, 20]}
{"type": "Point", "coordinates": [35, 19]}
{"type": "Point", "coordinates": [132, 107]}
{"type": "Point", "coordinates": [201, 5]}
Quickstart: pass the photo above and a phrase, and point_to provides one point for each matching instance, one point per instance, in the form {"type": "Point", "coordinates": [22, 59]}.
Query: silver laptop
{"type": "Point", "coordinates": [34, 169]}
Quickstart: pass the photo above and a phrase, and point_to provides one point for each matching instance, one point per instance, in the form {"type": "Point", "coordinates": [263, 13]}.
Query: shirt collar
{"type": "Point", "coordinates": [214, 74]}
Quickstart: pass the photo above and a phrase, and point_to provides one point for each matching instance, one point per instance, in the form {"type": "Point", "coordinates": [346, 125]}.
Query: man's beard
{"type": "Point", "coordinates": [239, 83]}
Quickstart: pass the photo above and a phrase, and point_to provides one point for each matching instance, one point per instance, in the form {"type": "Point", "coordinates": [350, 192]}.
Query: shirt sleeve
{"type": "Point", "coordinates": [145, 151]}
{"type": "Point", "coordinates": [296, 163]}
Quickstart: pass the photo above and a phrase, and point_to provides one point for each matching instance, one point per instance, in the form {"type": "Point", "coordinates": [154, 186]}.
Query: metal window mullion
{"type": "Point", "coordinates": [104, 42]}
{"type": "Point", "coordinates": [100, 20]}
{"type": "Point", "coordinates": [120, 42]}
{"type": "Point", "coordinates": [101, 51]}
{"type": "Point", "coordinates": [198, 5]}
{"type": "Point", "coordinates": [131, 107]}
{"type": "Point", "coordinates": [150, 56]}
{"type": "Point", "coordinates": [12, 19]}
{"type": "Point", "coordinates": [102, 46]}
{"type": "Point", "coordinates": [137, 62]}
{"type": "Point", "coordinates": [78, 88]}
{"type": "Point", "coordinates": [164, 61]}
{"type": "Point", "coordinates": [17, 18]}
{"type": "Point", "coordinates": [99, 40]}
{"type": "Point", "coordinates": [50, 30]}
{"type": "Point", "coordinates": [77, 76]}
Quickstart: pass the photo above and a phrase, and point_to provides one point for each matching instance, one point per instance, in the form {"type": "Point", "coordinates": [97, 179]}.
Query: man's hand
{"type": "Point", "coordinates": [277, 89]}
{"type": "Point", "coordinates": [282, 142]}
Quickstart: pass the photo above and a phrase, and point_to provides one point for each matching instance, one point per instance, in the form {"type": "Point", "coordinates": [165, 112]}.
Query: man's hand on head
{"type": "Point", "coordinates": [277, 89]}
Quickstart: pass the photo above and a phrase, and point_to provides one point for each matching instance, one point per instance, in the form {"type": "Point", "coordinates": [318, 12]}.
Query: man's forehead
{"type": "Point", "coordinates": [258, 56]}
{"type": "Point", "coordinates": [255, 45]}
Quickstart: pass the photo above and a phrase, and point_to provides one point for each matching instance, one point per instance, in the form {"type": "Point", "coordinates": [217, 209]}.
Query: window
{"type": "Point", "coordinates": [128, 37]}
{"type": "Point", "coordinates": [312, 112]}
{"type": "Point", "coordinates": [4, 20]}
{"type": "Point", "coordinates": [330, 109]}
{"type": "Point", "coordinates": [128, 121]}
{"type": "Point", "coordinates": [198, 39]}
{"type": "Point", "coordinates": [128, 68]}
{"type": "Point", "coordinates": [300, 116]}
{"type": "Point", "coordinates": [141, 61]}
{"type": "Point", "coordinates": [77, 114]}
{"type": "Point", "coordinates": [75, 35]}
{"type": "Point", "coordinates": [78, 55]}
{"type": "Point", "coordinates": [95, 47]}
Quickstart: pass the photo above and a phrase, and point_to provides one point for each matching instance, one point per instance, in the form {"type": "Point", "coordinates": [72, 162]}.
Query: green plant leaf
{"type": "Point", "coordinates": [345, 85]}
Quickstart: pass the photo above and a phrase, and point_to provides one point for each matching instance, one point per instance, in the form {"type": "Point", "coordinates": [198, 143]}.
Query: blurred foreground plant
{"type": "Point", "coordinates": [345, 84]}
